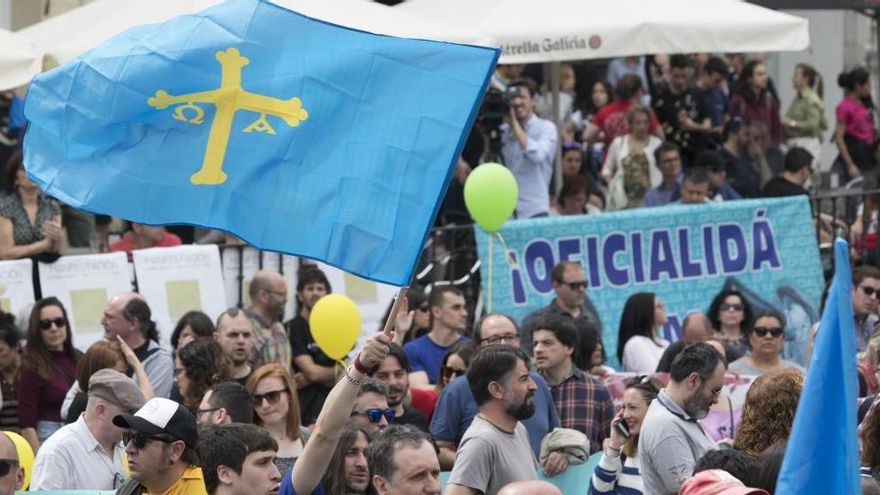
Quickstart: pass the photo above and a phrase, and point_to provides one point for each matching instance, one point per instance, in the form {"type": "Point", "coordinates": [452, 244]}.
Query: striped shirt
{"type": "Point", "coordinates": [584, 404]}
{"type": "Point", "coordinates": [609, 478]}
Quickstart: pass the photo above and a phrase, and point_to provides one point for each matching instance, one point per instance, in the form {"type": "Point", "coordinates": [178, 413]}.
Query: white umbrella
{"type": "Point", "coordinates": [68, 35]}
{"type": "Point", "coordinates": [20, 60]}
{"type": "Point", "coordinates": [562, 30]}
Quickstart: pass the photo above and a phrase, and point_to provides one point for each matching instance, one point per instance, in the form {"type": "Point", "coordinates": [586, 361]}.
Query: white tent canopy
{"type": "Point", "coordinates": [20, 60]}
{"type": "Point", "coordinates": [564, 30]}
{"type": "Point", "coordinates": [68, 35]}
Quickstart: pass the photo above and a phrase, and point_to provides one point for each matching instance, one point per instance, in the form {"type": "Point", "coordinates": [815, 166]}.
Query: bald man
{"type": "Point", "coordinates": [11, 475]}
{"type": "Point", "coordinates": [268, 293]}
{"type": "Point", "coordinates": [127, 316]}
{"type": "Point", "coordinates": [531, 487]}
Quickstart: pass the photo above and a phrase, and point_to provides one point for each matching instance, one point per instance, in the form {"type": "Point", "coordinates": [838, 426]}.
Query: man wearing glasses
{"type": "Point", "coordinates": [268, 293]}
{"type": "Point", "coordinates": [866, 291]}
{"type": "Point", "coordinates": [456, 406]}
{"type": "Point", "coordinates": [160, 442]}
{"type": "Point", "coordinates": [571, 301]}
{"type": "Point", "coordinates": [371, 412]}
{"type": "Point", "coordinates": [11, 475]}
{"type": "Point", "coordinates": [671, 441]}
{"type": "Point", "coordinates": [87, 454]}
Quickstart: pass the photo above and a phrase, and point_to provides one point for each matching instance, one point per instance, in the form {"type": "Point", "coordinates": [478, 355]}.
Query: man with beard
{"type": "Point", "coordinates": [394, 374]}
{"type": "Point", "coordinates": [237, 459]}
{"type": "Point", "coordinates": [268, 294]}
{"type": "Point", "coordinates": [347, 473]}
{"type": "Point", "coordinates": [671, 441]}
{"type": "Point", "coordinates": [313, 372]}
{"type": "Point", "coordinates": [236, 338]}
{"type": "Point", "coordinates": [495, 449]}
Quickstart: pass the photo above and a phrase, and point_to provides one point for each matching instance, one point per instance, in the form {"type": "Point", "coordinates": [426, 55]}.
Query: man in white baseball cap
{"type": "Point", "coordinates": [160, 442]}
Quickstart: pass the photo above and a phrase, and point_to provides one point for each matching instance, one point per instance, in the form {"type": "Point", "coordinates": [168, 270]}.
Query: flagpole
{"type": "Point", "coordinates": [389, 323]}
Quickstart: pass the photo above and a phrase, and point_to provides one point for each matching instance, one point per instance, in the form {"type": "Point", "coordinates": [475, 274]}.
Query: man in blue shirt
{"type": "Point", "coordinates": [456, 406]}
{"type": "Point", "coordinates": [528, 146]}
{"type": "Point", "coordinates": [448, 321]}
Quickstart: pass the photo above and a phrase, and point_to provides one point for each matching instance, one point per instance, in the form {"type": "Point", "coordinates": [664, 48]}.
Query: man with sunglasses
{"type": "Point", "coordinates": [671, 441]}
{"type": "Point", "coordinates": [160, 442]}
{"type": "Point", "coordinates": [11, 474]}
{"type": "Point", "coordinates": [370, 411]}
{"type": "Point", "coordinates": [87, 454]}
{"type": "Point", "coordinates": [570, 286]}
{"type": "Point", "coordinates": [865, 293]}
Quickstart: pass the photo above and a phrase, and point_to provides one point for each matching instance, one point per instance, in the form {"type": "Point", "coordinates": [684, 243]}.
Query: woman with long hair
{"type": "Point", "coordinates": [804, 122]}
{"type": "Point", "coordinates": [49, 369]}
{"type": "Point", "coordinates": [753, 101]}
{"type": "Point", "coordinates": [30, 221]}
{"type": "Point", "coordinates": [639, 348]}
{"type": "Point", "coordinates": [618, 468]}
{"type": "Point", "coordinates": [731, 316]}
{"type": "Point", "coordinates": [277, 409]}
{"type": "Point", "coordinates": [768, 413]}
{"type": "Point", "coordinates": [10, 370]}
{"type": "Point", "coordinates": [197, 366]}
{"type": "Point", "coordinates": [854, 132]}
{"type": "Point", "coordinates": [455, 363]}
{"type": "Point", "coordinates": [766, 338]}
{"type": "Point", "coordinates": [348, 471]}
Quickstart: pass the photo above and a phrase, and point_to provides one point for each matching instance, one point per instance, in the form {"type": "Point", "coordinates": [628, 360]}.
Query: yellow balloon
{"type": "Point", "coordinates": [335, 324]}
{"type": "Point", "coordinates": [25, 456]}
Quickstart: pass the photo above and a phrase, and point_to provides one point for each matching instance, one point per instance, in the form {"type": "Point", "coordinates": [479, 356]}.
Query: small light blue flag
{"type": "Point", "coordinates": [296, 135]}
{"type": "Point", "coordinates": [822, 455]}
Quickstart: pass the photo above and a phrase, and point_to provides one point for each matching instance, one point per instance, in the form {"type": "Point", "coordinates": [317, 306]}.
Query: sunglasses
{"type": "Point", "coordinates": [575, 285]}
{"type": "Point", "coordinates": [47, 324]}
{"type": "Point", "coordinates": [139, 440]}
{"type": "Point", "coordinates": [869, 291]}
{"type": "Point", "coordinates": [646, 380]}
{"type": "Point", "coordinates": [731, 307]}
{"type": "Point", "coordinates": [763, 331]}
{"type": "Point", "coordinates": [449, 372]}
{"type": "Point", "coordinates": [374, 414]}
{"type": "Point", "coordinates": [423, 308]}
{"type": "Point", "coordinates": [6, 466]}
{"type": "Point", "coordinates": [273, 397]}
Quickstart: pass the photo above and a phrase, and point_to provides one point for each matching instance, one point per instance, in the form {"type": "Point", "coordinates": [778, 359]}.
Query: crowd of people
{"type": "Point", "coordinates": [241, 405]}
{"type": "Point", "coordinates": [244, 402]}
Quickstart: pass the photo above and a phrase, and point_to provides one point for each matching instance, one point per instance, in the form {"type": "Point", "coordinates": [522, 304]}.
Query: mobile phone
{"type": "Point", "coordinates": [621, 427]}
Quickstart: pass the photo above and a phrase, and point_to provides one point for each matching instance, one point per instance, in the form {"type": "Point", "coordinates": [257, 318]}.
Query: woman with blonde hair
{"type": "Point", "coordinates": [277, 409]}
{"type": "Point", "coordinates": [768, 413]}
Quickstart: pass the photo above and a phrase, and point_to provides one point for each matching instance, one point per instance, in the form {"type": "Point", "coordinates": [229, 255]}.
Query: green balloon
{"type": "Point", "coordinates": [490, 194]}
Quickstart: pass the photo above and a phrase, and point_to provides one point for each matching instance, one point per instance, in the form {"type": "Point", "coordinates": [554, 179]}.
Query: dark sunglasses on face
{"type": "Point", "coordinates": [423, 308]}
{"type": "Point", "coordinates": [731, 307]}
{"type": "Point", "coordinates": [47, 324]}
{"type": "Point", "coordinates": [870, 291]}
{"type": "Point", "coordinates": [139, 440]}
{"type": "Point", "coordinates": [374, 414]}
{"type": "Point", "coordinates": [763, 331]}
{"type": "Point", "coordinates": [449, 373]}
{"type": "Point", "coordinates": [6, 465]}
{"type": "Point", "coordinates": [273, 397]}
{"type": "Point", "coordinates": [575, 285]}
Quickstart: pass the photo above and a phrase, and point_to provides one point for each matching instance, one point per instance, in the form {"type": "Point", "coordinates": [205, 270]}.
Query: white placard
{"type": "Point", "coordinates": [174, 280]}
{"type": "Point", "coordinates": [248, 258]}
{"type": "Point", "coordinates": [16, 288]}
{"type": "Point", "coordinates": [372, 298]}
{"type": "Point", "coordinates": [84, 284]}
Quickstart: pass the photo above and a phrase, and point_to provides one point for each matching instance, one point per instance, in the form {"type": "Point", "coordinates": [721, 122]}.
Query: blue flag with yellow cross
{"type": "Point", "coordinates": [294, 134]}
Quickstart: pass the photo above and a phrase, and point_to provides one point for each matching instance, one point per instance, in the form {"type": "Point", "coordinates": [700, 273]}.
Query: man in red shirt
{"type": "Point", "coordinates": [143, 237]}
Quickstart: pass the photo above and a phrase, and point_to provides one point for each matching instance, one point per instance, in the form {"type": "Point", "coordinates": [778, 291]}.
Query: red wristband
{"type": "Point", "coordinates": [358, 365]}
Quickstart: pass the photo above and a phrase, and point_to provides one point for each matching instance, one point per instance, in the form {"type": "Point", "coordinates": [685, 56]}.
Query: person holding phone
{"type": "Point", "coordinates": [618, 468]}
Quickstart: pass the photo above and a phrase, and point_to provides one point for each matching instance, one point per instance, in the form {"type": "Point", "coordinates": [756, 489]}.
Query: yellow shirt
{"type": "Point", "coordinates": [190, 482]}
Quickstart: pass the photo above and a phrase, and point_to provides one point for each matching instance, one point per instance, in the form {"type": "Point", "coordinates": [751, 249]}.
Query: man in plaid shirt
{"type": "Point", "coordinates": [583, 403]}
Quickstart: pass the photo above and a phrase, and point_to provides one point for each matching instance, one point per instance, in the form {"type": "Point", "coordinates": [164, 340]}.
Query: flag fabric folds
{"type": "Point", "coordinates": [297, 135]}
{"type": "Point", "coordinates": [822, 455]}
